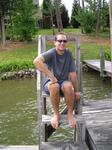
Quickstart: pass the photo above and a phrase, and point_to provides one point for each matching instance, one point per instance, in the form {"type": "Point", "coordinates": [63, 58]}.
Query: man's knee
{"type": "Point", "coordinates": [67, 86]}
{"type": "Point", "coordinates": [54, 87]}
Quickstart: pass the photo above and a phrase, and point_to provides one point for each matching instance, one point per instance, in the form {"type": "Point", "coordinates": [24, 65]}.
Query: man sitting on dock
{"type": "Point", "coordinates": [61, 79]}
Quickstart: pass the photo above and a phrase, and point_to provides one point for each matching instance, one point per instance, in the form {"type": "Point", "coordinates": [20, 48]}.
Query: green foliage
{"type": "Point", "coordinates": [86, 19]}
{"type": "Point", "coordinates": [22, 58]}
{"type": "Point", "coordinates": [15, 66]}
{"type": "Point", "coordinates": [75, 9]}
{"type": "Point", "coordinates": [6, 6]}
{"type": "Point", "coordinates": [47, 13]}
{"type": "Point", "coordinates": [64, 16]}
{"type": "Point", "coordinates": [19, 58]}
{"type": "Point", "coordinates": [46, 7]}
{"type": "Point", "coordinates": [93, 17]}
{"type": "Point", "coordinates": [108, 55]}
{"type": "Point", "coordinates": [104, 19]}
{"type": "Point", "coordinates": [23, 23]}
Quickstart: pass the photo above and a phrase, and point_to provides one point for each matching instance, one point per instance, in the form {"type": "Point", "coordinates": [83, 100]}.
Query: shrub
{"type": "Point", "coordinates": [86, 19]}
{"type": "Point", "coordinates": [108, 55]}
{"type": "Point", "coordinates": [12, 66]}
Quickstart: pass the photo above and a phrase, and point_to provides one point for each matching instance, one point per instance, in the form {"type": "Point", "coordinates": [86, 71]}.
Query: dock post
{"type": "Point", "coordinates": [39, 89]}
{"type": "Point", "coordinates": [102, 62]}
{"type": "Point", "coordinates": [43, 43]}
{"type": "Point", "coordinates": [79, 72]}
{"type": "Point", "coordinates": [79, 132]}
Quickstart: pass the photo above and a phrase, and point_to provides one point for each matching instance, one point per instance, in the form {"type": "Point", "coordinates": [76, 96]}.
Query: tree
{"type": "Point", "coordinates": [75, 9]}
{"type": "Point", "coordinates": [23, 23]}
{"type": "Point", "coordinates": [93, 17]}
{"type": "Point", "coordinates": [54, 13]}
{"type": "Point", "coordinates": [6, 7]}
{"type": "Point", "coordinates": [98, 16]}
{"type": "Point", "coordinates": [64, 16]}
{"type": "Point", "coordinates": [104, 16]}
{"type": "Point", "coordinates": [99, 8]}
{"type": "Point", "coordinates": [58, 15]}
{"type": "Point", "coordinates": [47, 13]}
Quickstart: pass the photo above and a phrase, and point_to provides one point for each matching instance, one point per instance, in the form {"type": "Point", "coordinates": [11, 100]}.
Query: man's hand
{"type": "Point", "coordinates": [77, 95]}
{"type": "Point", "coordinates": [52, 78]}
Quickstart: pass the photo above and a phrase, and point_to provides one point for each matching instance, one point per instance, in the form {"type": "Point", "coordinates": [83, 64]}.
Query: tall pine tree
{"type": "Point", "coordinates": [64, 16]}
{"type": "Point", "coordinates": [75, 8]}
{"type": "Point", "coordinates": [47, 13]}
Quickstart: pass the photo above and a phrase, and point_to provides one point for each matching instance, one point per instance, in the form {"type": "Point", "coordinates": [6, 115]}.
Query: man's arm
{"type": "Point", "coordinates": [39, 63]}
{"type": "Point", "coordinates": [73, 78]}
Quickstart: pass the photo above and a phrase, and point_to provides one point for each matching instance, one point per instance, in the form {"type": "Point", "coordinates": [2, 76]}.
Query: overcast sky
{"type": "Point", "coordinates": [67, 3]}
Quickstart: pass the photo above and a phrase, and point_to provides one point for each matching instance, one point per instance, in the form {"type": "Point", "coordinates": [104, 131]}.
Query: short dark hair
{"type": "Point", "coordinates": [59, 33]}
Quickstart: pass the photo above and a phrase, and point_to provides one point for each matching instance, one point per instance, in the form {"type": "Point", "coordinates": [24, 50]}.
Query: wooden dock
{"type": "Point", "coordinates": [98, 117]}
{"type": "Point", "coordinates": [96, 65]}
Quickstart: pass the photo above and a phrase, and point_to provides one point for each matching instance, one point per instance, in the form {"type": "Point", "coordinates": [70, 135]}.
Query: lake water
{"type": "Point", "coordinates": [18, 109]}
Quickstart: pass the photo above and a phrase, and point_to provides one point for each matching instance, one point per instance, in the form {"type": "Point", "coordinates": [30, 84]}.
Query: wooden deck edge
{"type": "Point", "coordinates": [19, 147]}
{"type": "Point", "coordinates": [64, 146]}
{"type": "Point", "coordinates": [46, 119]}
{"type": "Point", "coordinates": [107, 73]}
{"type": "Point", "coordinates": [89, 141]}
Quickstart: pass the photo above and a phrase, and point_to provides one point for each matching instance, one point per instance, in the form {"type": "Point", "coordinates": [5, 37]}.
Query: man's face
{"type": "Point", "coordinates": [60, 43]}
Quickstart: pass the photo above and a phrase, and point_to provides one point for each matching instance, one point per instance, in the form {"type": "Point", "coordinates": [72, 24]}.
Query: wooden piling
{"type": "Point", "coordinates": [79, 71]}
{"type": "Point", "coordinates": [39, 90]}
{"type": "Point", "coordinates": [102, 62]}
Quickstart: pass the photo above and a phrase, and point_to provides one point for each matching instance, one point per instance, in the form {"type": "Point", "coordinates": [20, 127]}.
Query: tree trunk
{"type": "Point", "coordinates": [83, 4]}
{"type": "Point", "coordinates": [52, 19]}
{"type": "Point", "coordinates": [58, 15]}
{"type": "Point", "coordinates": [94, 6]}
{"type": "Point", "coordinates": [0, 30]}
{"type": "Point", "coordinates": [98, 16]}
{"type": "Point", "coordinates": [82, 1]}
{"type": "Point", "coordinates": [3, 31]}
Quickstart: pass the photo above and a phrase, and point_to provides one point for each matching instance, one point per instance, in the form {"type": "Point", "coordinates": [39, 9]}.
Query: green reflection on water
{"type": "Point", "coordinates": [94, 88]}
{"type": "Point", "coordinates": [18, 109]}
{"type": "Point", "coordinates": [18, 112]}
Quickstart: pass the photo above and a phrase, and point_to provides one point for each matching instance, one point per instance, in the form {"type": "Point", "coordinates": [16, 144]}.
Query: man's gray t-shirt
{"type": "Point", "coordinates": [60, 65]}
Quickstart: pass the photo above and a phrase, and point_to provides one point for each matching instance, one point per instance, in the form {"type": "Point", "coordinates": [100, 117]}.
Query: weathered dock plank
{"type": "Point", "coordinates": [46, 119]}
{"type": "Point", "coordinates": [64, 146]}
{"type": "Point", "coordinates": [19, 147]}
{"type": "Point", "coordinates": [99, 124]}
{"type": "Point", "coordinates": [95, 64]}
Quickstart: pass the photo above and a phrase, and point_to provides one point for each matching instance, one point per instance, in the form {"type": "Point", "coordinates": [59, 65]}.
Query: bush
{"type": "Point", "coordinates": [86, 19]}
{"type": "Point", "coordinates": [108, 55]}
{"type": "Point", "coordinates": [23, 24]}
{"type": "Point", "coordinates": [15, 66]}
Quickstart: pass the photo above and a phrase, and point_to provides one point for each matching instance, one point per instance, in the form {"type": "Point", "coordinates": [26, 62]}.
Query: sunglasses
{"type": "Point", "coordinates": [60, 41]}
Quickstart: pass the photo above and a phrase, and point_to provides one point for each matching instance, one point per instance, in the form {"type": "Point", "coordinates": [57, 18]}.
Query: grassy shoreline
{"type": "Point", "coordinates": [18, 58]}
{"type": "Point", "coordinates": [21, 57]}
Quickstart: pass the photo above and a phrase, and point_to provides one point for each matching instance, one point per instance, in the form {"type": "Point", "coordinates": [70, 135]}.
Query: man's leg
{"type": "Point", "coordinates": [55, 100]}
{"type": "Point", "coordinates": [68, 91]}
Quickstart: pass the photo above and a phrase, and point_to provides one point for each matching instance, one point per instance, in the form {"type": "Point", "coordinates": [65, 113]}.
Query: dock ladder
{"type": "Point", "coordinates": [45, 129]}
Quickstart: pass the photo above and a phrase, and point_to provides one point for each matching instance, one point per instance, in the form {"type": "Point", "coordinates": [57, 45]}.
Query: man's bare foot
{"type": "Point", "coordinates": [55, 121]}
{"type": "Point", "coordinates": [72, 120]}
